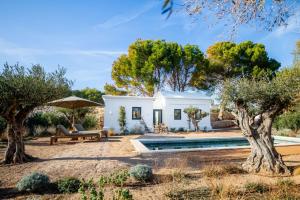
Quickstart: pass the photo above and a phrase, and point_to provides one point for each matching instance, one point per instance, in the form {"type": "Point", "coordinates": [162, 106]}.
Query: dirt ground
{"type": "Point", "coordinates": [89, 159]}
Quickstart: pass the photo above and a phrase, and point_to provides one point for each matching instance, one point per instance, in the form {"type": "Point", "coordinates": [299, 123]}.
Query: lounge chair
{"type": "Point", "coordinates": [62, 132]}
{"type": "Point", "coordinates": [79, 128]}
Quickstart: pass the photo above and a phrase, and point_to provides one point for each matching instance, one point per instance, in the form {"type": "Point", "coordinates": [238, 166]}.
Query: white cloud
{"type": "Point", "coordinates": [118, 20]}
{"type": "Point", "coordinates": [11, 49]}
{"type": "Point", "coordinates": [293, 26]}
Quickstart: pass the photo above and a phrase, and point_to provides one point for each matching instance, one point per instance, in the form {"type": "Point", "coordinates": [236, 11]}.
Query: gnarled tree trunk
{"type": "Point", "coordinates": [263, 157]}
{"type": "Point", "coordinates": [221, 111]}
{"type": "Point", "coordinates": [15, 152]}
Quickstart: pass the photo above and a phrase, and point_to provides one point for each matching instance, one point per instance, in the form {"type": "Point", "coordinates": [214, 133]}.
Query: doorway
{"type": "Point", "coordinates": [157, 116]}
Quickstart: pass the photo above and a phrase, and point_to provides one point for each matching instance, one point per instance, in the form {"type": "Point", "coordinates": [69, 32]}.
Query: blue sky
{"type": "Point", "coordinates": [86, 37]}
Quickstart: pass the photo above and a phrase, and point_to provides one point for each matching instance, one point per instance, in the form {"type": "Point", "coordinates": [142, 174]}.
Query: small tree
{"type": "Point", "coordinates": [195, 115]}
{"type": "Point", "coordinates": [290, 120]}
{"type": "Point", "coordinates": [256, 104]}
{"type": "Point", "coordinates": [122, 119]}
{"type": "Point", "coordinates": [21, 91]}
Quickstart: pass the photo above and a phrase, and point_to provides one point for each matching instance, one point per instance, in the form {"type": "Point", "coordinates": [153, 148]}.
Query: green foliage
{"type": "Point", "coordinates": [68, 185]}
{"type": "Point", "coordinates": [3, 124]}
{"type": "Point", "coordinates": [229, 60]}
{"type": "Point", "coordinates": [290, 120]}
{"type": "Point", "coordinates": [34, 182]}
{"type": "Point", "coordinates": [122, 119]}
{"type": "Point", "coordinates": [195, 115]}
{"type": "Point", "coordinates": [79, 114]}
{"type": "Point", "coordinates": [122, 194]}
{"type": "Point", "coordinates": [173, 129]}
{"type": "Point", "coordinates": [252, 187]}
{"type": "Point", "coordinates": [45, 119]}
{"type": "Point", "coordinates": [89, 122]}
{"type": "Point", "coordinates": [151, 65]}
{"type": "Point", "coordinates": [23, 89]}
{"type": "Point", "coordinates": [259, 96]}
{"type": "Point", "coordinates": [118, 178]}
{"type": "Point", "coordinates": [89, 93]}
{"type": "Point", "coordinates": [89, 191]}
{"type": "Point", "coordinates": [141, 173]}
{"type": "Point", "coordinates": [29, 88]}
{"type": "Point", "coordinates": [113, 90]}
{"type": "Point", "coordinates": [180, 129]}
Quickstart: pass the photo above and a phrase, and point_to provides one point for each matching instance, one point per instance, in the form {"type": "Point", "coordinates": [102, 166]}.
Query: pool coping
{"type": "Point", "coordinates": [142, 149]}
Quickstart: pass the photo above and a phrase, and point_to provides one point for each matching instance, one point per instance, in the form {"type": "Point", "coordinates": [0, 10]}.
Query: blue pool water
{"type": "Point", "coordinates": [200, 143]}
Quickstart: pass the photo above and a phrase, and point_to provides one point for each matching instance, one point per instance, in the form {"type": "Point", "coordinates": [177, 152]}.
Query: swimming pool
{"type": "Point", "coordinates": [196, 144]}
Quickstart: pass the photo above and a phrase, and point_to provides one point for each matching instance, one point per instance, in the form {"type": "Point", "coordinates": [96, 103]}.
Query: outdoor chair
{"type": "Point", "coordinates": [160, 128]}
{"type": "Point", "coordinates": [79, 128]}
{"type": "Point", "coordinates": [62, 132]}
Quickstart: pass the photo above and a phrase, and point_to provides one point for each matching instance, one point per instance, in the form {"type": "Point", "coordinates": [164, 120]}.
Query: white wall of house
{"type": "Point", "coordinates": [112, 108]}
{"type": "Point", "coordinates": [167, 102]}
{"type": "Point", "coordinates": [171, 101]}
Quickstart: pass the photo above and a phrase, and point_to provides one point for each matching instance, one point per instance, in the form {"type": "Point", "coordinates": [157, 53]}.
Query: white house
{"type": "Point", "coordinates": [163, 107]}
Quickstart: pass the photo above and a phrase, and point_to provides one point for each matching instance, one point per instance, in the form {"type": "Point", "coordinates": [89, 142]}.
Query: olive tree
{"type": "Point", "coordinates": [22, 90]}
{"type": "Point", "coordinates": [266, 15]}
{"type": "Point", "coordinates": [256, 103]}
{"type": "Point", "coordinates": [195, 115]}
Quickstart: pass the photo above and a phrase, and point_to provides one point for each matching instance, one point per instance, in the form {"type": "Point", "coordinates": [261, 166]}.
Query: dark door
{"type": "Point", "coordinates": [157, 116]}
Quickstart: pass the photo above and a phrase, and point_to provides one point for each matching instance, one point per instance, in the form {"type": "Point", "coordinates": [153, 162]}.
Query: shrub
{"type": "Point", "coordinates": [181, 129]}
{"type": "Point", "coordinates": [122, 194]}
{"type": "Point", "coordinates": [122, 119]}
{"type": "Point", "coordinates": [256, 187]}
{"type": "Point", "coordinates": [45, 120]}
{"type": "Point", "coordinates": [173, 130]}
{"type": "Point", "coordinates": [118, 178]}
{"type": "Point", "coordinates": [68, 185]}
{"type": "Point", "coordinates": [34, 182]}
{"type": "Point", "coordinates": [89, 122]}
{"type": "Point", "coordinates": [141, 173]}
{"type": "Point", "coordinates": [290, 120]}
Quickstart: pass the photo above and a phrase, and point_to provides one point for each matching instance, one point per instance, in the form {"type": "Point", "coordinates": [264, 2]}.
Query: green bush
{"type": "Point", "coordinates": [290, 120]}
{"type": "Point", "coordinates": [68, 185]}
{"type": "Point", "coordinates": [119, 178]}
{"type": "Point", "coordinates": [181, 129]}
{"type": "Point", "coordinates": [34, 182]}
{"type": "Point", "coordinates": [173, 130]}
{"type": "Point", "coordinates": [45, 120]}
{"type": "Point", "coordinates": [141, 173]}
{"type": "Point", "coordinates": [122, 194]}
{"type": "Point", "coordinates": [89, 122]}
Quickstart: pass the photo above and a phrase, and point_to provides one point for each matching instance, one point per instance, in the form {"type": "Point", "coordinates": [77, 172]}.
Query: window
{"type": "Point", "coordinates": [177, 114]}
{"type": "Point", "coordinates": [136, 113]}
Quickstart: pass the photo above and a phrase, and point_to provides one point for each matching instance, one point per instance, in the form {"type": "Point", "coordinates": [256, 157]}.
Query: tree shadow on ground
{"type": "Point", "coordinates": [168, 160]}
{"type": "Point", "coordinates": [13, 193]}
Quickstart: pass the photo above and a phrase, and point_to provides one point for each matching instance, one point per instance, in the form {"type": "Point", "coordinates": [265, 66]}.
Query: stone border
{"type": "Point", "coordinates": [142, 149]}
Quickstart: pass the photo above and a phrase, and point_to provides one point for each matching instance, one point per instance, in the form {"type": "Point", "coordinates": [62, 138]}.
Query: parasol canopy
{"type": "Point", "coordinates": [73, 102]}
